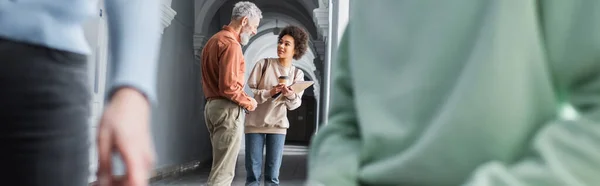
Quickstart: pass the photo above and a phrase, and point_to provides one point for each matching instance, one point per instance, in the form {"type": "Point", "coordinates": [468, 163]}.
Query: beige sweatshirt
{"type": "Point", "coordinates": [271, 117]}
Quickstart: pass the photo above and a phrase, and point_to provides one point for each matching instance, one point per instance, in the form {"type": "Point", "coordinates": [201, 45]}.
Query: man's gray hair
{"type": "Point", "coordinates": [245, 9]}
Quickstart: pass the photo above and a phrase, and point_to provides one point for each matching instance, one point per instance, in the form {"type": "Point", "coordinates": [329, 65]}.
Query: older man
{"type": "Point", "coordinates": [223, 70]}
{"type": "Point", "coordinates": [476, 88]}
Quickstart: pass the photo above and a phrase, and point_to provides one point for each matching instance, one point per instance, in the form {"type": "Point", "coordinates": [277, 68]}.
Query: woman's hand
{"type": "Point", "coordinates": [276, 89]}
{"type": "Point", "coordinates": [288, 92]}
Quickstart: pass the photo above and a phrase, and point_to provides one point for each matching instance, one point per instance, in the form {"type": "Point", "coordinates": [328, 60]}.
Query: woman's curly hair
{"type": "Point", "coordinates": [300, 39]}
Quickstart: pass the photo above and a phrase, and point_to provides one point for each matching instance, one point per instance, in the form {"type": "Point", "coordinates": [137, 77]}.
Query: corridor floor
{"type": "Point", "coordinates": [292, 173]}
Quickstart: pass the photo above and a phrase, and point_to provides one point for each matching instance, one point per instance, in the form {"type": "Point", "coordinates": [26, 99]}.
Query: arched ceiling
{"type": "Point", "coordinates": [271, 32]}
{"type": "Point", "coordinates": [264, 47]}
{"type": "Point", "coordinates": [272, 20]}
{"type": "Point", "coordinates": [218, 12]}
{"type": "Point", "coordinates": [273, 24]}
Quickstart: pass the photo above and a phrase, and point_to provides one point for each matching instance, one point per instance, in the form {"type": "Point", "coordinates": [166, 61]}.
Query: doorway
{"type": "Point", "coordinates": [302, 120]}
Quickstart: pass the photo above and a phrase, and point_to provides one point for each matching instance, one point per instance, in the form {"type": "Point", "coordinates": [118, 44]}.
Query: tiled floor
{"type": "Point", "coordinates": [292, 173]}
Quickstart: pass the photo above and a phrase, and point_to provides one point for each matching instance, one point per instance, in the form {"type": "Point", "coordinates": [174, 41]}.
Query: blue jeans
{"type": "Point", "coordinates": [254, 156]}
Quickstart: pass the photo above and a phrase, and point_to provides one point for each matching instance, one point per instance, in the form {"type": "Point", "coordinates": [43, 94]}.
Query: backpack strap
{"type": "Point", "coordinates": [264, 69]}
{"type": "Point", "coordinates": [295, 72]}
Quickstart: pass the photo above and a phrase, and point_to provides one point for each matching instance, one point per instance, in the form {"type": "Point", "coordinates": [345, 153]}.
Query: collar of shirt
{"type": "Point", "coordinates": [236, 35]}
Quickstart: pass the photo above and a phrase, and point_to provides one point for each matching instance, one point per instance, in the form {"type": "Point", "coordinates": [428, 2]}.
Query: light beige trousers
{"type": "Point", "coordinates": [224, 120]}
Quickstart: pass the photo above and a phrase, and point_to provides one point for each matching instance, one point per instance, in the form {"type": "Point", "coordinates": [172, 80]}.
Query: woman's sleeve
{"type": "Point", "coordinates": [261, 95]}
{"type": "Point", "coordinates": [296, 100]}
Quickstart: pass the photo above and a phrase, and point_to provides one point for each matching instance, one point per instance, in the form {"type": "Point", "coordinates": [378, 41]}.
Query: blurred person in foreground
{"type": "Point", "coordinates": [464, 92]}
{"type": "Point", "coordinates": [45, 97]}
{"type": "Point", "coordinates": [223, 69]}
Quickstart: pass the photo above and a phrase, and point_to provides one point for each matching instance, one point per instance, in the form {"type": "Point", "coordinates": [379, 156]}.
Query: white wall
{"type": "Point", "coordinates": [95, 33]}
{"type": "Point", "coordinates": [339, 21]}
{"type": "Point", "coordinates": [343, 16]}
{"type": "Point", "coordinates": [179, 132]}
{"type": "Point", "coordinates": [178, 128]}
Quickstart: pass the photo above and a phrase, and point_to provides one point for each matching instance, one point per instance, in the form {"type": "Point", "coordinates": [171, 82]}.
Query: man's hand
{"type": "Point", "coordinates": [253, 105]}
{"type": "Point", "coordinates": [288, 92]}
{"type": "Point", "coordinates": [124, 128]}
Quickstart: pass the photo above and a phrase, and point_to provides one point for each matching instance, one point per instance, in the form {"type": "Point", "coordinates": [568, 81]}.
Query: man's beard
{"type": "Point", "coordinates": [245, 38]}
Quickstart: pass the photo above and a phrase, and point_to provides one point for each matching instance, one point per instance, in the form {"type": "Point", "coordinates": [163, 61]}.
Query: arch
{"type": "Point", "coordinates": [205, 11]}
{"type": "Point", "coordinates": [289, 10]}
{"type": "Point", "coordinates": [269, 28]}
{"type": "Point", "coordinates": [269, 21]}
{"type": "Point", "coordinates": [265, 46]}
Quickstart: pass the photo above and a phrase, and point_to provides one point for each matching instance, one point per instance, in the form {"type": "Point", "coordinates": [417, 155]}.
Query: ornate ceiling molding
{"type": "Point", "coordinates": [321, 18]}
{"type": "Point", "coordinates": [321, 49]}
{"type": "Point", "coordinates": [168, 14]}
{"type": "Point", "coordinates": [199, 41]}
{"type": "Point", "coordinates": [324, 3]}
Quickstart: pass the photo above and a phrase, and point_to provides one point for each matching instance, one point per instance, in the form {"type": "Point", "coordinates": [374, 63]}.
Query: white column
{"type": "Point", "coordinates": [97, 38]}
{"type": "Point", "coordinates": [340, 16]}
{"type": "Point", "coordinates": [322, 17]}
{"type": "Point", "coordinates": [343, 16]}
{"type": "Point", "coordinates": [199, 41]}
{"type": "Point", "coordinates": [331, 17]}
{"type": "Point", "coordinates": [98, 63]}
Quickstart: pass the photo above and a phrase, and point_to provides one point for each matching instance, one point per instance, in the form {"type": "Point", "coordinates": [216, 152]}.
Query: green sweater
{"type": "Point", "coordinates": [464, 92]}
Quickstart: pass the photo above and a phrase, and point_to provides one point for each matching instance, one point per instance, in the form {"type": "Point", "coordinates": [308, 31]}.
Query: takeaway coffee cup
{"type": "Point", "coordinates": [283, 79]}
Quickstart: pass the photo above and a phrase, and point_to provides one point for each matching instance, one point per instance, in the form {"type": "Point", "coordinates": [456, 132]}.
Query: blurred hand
{"type": "Point", "coordinates": [288, 92]}
{"type": "Point", "coordinates": [253, 105]}
{"type": "Point", "coordinates": [124, 128]}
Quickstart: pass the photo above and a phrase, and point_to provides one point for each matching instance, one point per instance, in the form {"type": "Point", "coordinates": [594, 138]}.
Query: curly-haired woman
{"type": "Point", "coordinates": [267, 125]}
